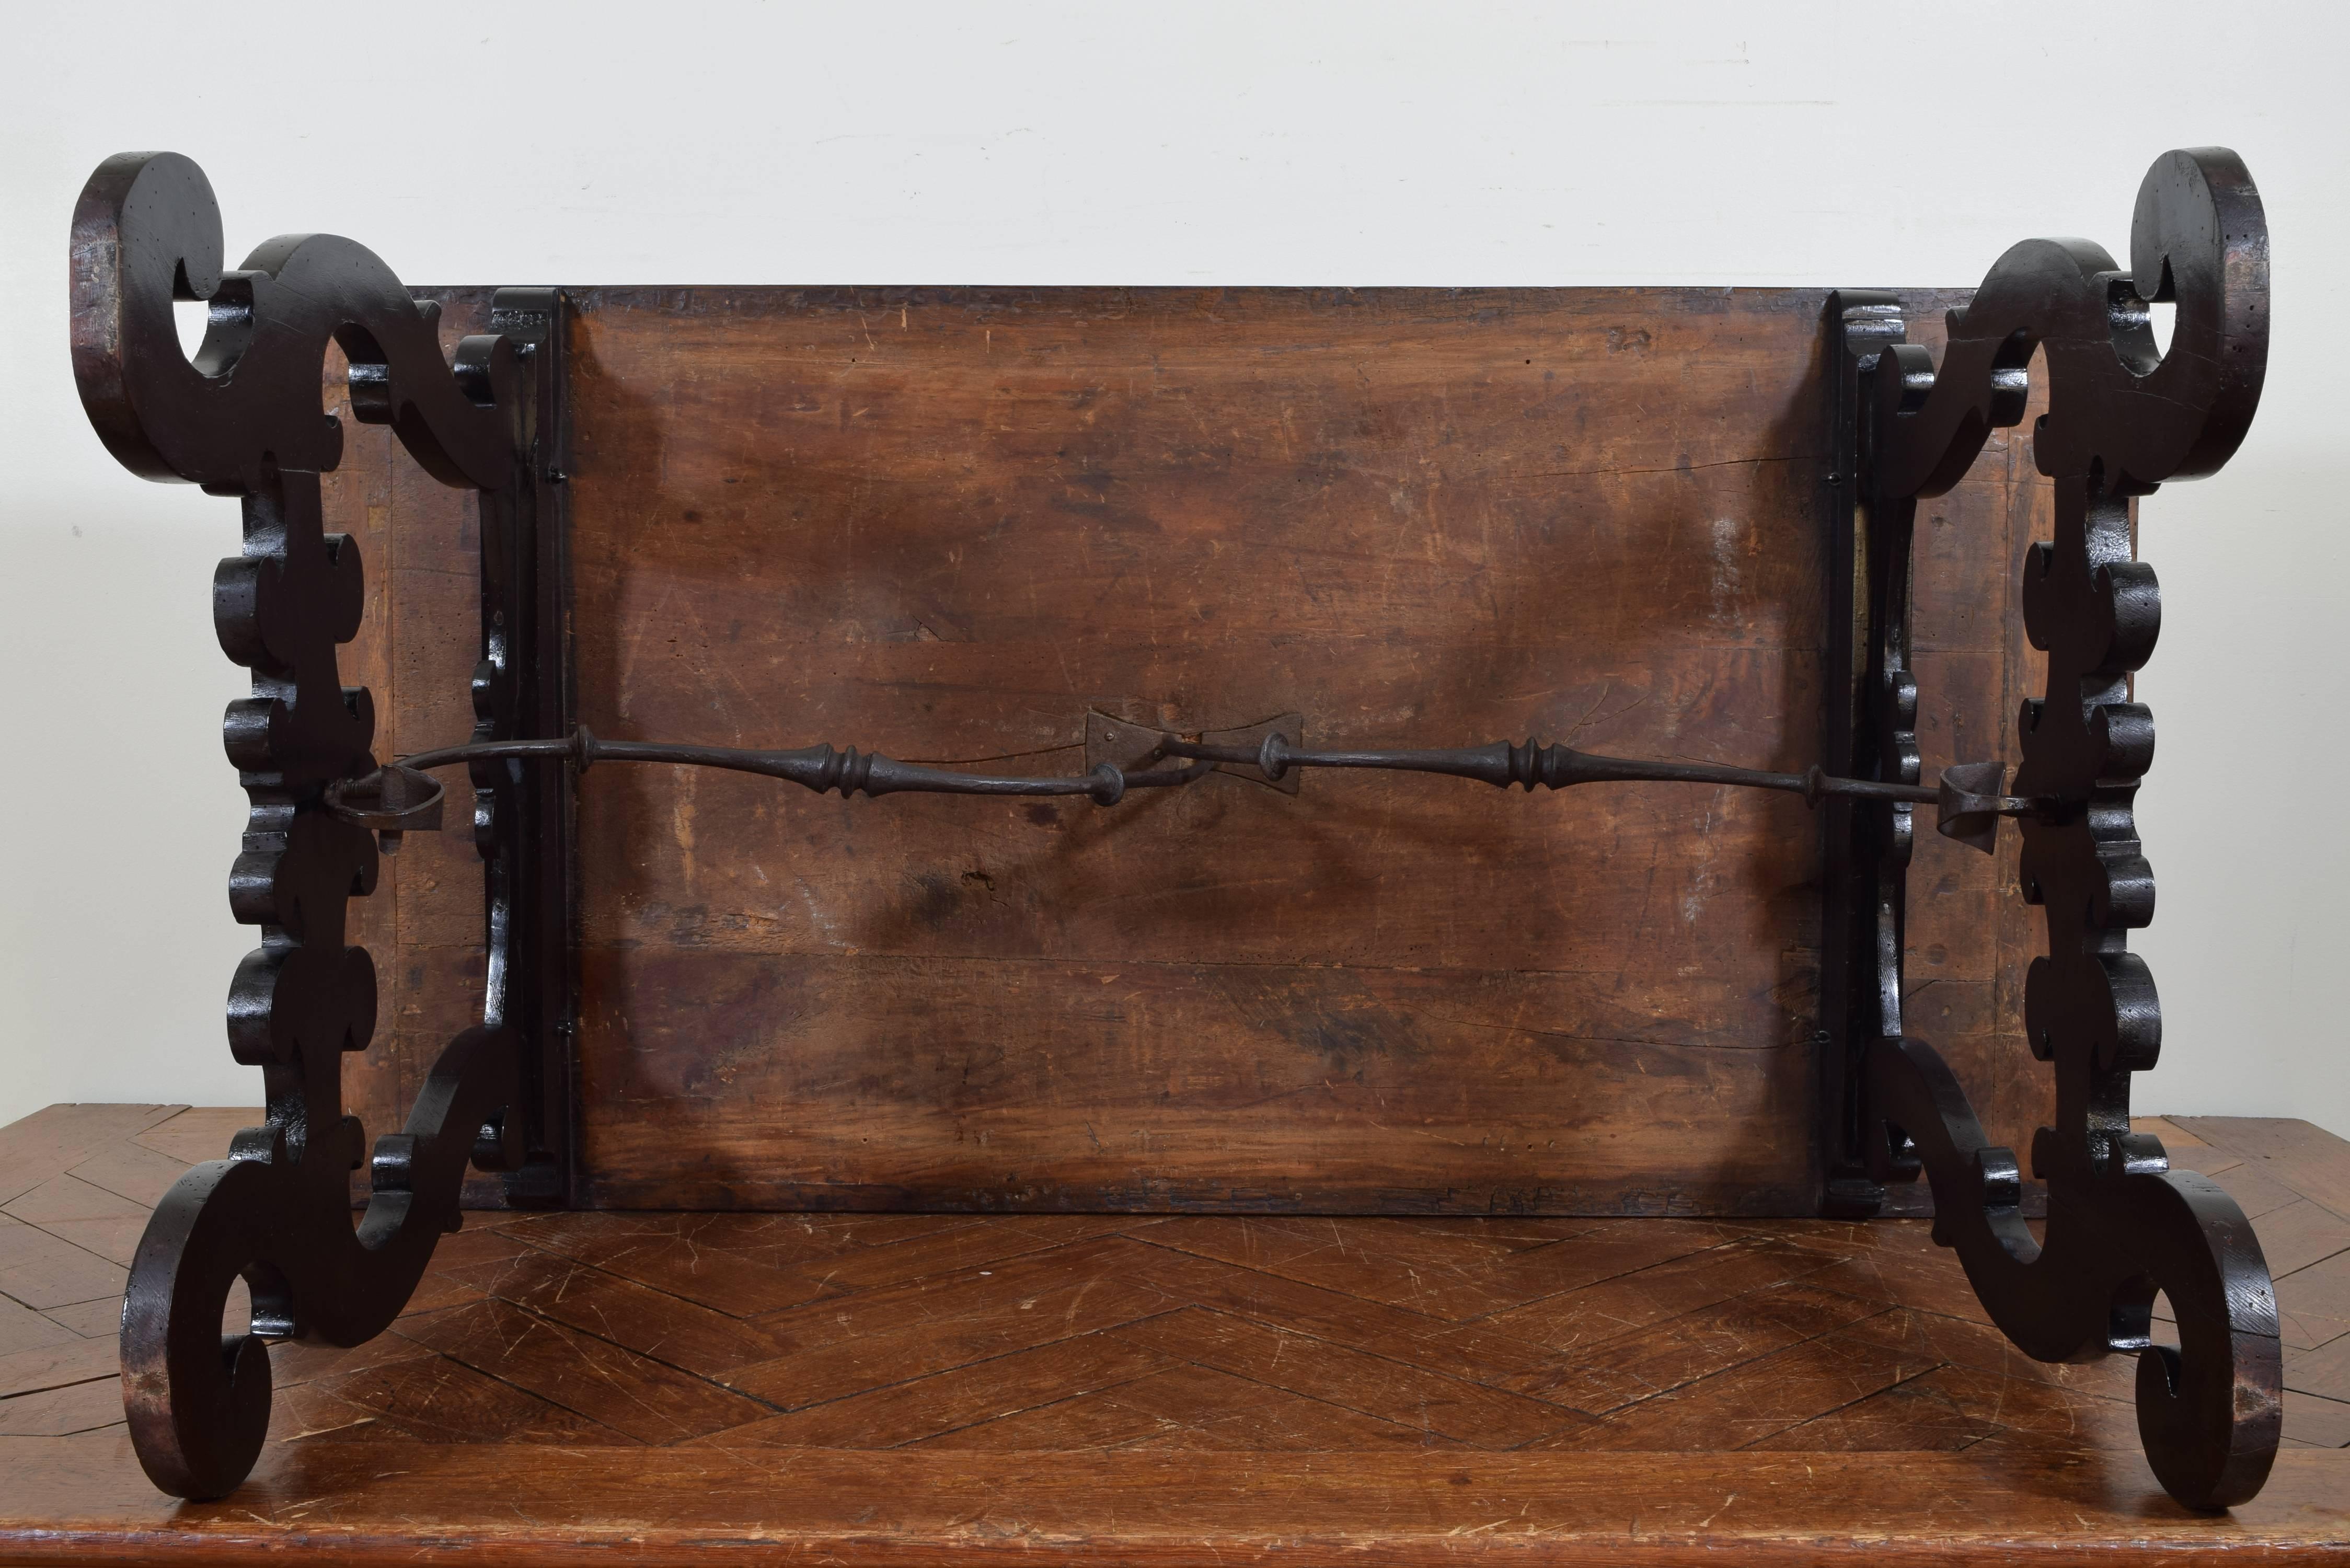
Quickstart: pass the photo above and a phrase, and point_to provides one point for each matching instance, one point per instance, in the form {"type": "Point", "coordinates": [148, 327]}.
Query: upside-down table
{"type": "Point", "coordinates": [1127, 567]}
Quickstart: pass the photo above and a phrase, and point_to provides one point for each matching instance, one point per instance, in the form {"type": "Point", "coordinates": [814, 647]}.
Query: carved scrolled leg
{"type": "Point", "coordinates": [244, 418]}
{"type": "Point", "coordinates": [2209, 1412]}
{"type": "Point", "coordinates": [2123, 417]}
{"type": "Point", "coordinates": [199, 1399]}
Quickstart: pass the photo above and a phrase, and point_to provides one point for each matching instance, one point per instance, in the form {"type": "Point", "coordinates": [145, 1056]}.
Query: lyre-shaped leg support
{"type": "Point", "coordinates": [2122, 1226]}
{"type": "Point", "coordinates": [243, 419]}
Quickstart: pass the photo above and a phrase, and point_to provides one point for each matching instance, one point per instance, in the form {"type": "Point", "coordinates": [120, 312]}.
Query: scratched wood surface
{"type": "Point", "coordinates": [948, 1388]}
{"type": "Point", "coordinates": [945, 524]}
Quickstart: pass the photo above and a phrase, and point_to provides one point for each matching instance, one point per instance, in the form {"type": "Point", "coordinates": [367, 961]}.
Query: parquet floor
{"type": "Point", "coordinates": [963, 1335]}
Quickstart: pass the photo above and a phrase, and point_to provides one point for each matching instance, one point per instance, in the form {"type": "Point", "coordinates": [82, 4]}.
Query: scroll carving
{"type": "Point", "coordinates": [2122, 419]}
{"type": "Point", "coordinates": [244, 418]}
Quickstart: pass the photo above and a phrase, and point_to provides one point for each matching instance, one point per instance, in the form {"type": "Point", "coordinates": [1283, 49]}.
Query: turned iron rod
{"type": "Point", "coordinates": [819, 768]}
{"type": "Point", "coordinates": [1551, 767]}
{"type": "Point", "coordinates": [849, 771]}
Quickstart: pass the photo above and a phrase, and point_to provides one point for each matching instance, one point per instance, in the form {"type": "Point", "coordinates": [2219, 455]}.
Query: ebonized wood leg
{"type": "Point", "coordinates": [244, 418]}
{"type": "Point", "coordinates": [2122, 419]}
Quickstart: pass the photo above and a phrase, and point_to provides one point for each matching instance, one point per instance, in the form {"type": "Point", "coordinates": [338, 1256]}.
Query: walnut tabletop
{"type": "Point", "coordinates": [1139, 1388]}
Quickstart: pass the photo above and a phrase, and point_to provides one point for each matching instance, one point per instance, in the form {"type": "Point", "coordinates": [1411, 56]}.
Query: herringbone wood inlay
{"type": "Point", "coordinates": [1199, 1333]}
{"type": "Point", "coordinates": [1191, 1392]}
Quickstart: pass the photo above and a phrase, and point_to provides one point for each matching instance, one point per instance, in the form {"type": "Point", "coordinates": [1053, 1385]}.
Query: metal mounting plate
{"type": "Point", "coordinates": [1133, 748]}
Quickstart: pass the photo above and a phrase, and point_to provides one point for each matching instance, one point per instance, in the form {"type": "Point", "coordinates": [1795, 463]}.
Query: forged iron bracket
{"type": "Point", "coordinates": [1132, 747]}
{"type": "Point", "coordinates": [2123, 417]}
{"type": "Point", "coordinates": [1867, 730]}
{"type": "Point", "coordinates": [523, 817]}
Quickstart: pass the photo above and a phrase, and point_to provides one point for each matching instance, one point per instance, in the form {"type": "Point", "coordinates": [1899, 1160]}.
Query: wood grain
{"type": "Point", "coordinates": [59, 1138]}
{"type": "Point", "coordinates": [945, 523]}
{"type": "Point", "coordinates": [954, 1507]}
{"type": "Point", "coordinates": [955, 1388]}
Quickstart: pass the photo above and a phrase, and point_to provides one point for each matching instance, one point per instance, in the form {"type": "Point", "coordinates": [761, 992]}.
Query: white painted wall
{"type": "Point", "coordinates": [736, 141]}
